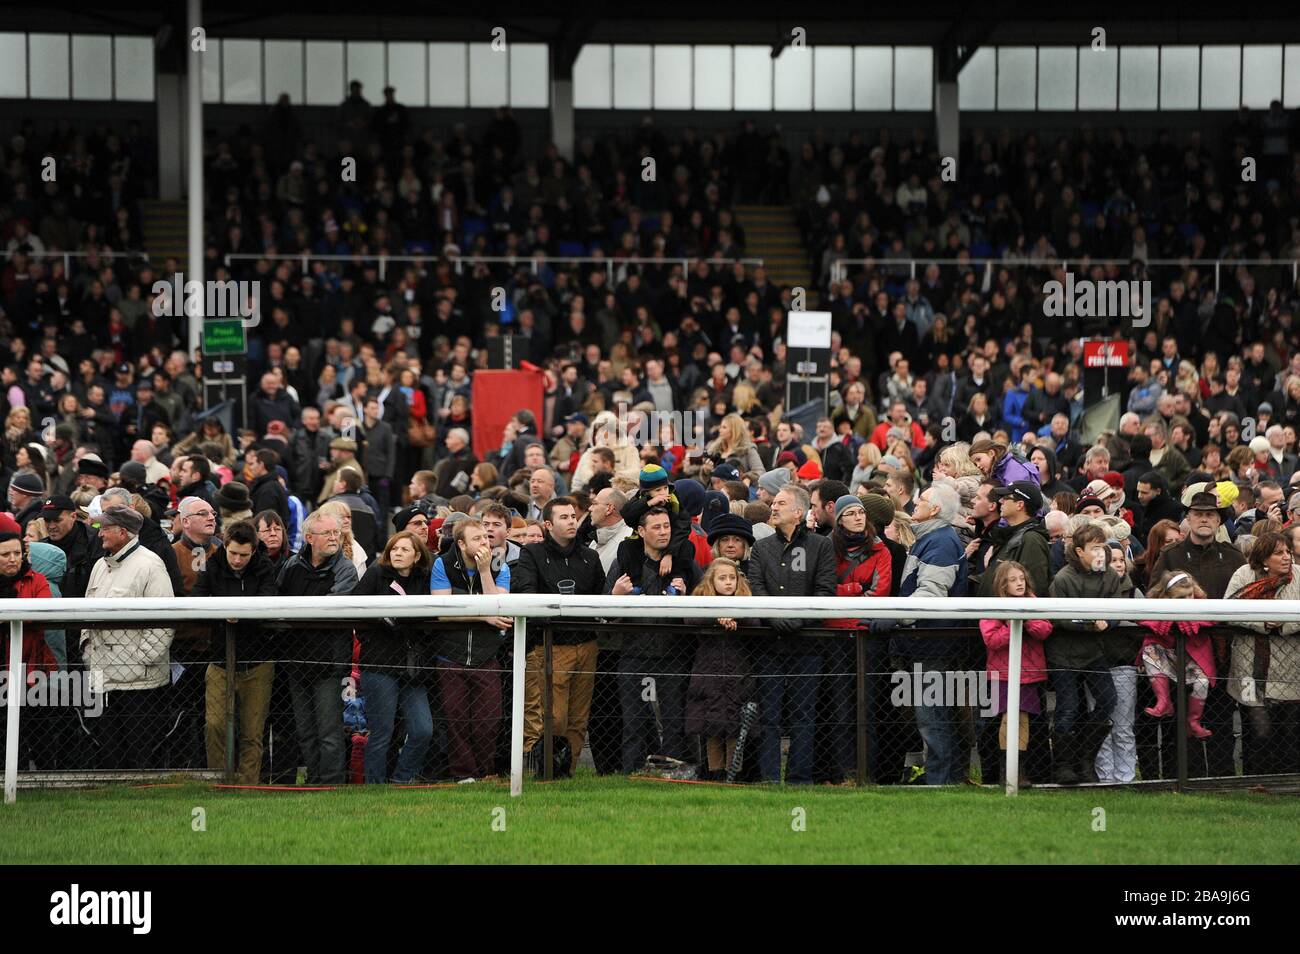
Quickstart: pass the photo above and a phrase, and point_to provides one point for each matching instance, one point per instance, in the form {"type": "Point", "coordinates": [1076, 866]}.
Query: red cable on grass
{"type": "Point", "coordinates": [686, 781]}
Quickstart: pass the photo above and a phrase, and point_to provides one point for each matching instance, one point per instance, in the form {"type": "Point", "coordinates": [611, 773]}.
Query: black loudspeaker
{"type": "Point", "coordinates": [506, 351]}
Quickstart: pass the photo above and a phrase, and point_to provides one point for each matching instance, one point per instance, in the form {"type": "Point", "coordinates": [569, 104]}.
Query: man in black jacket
{"type": "Point", "coordinates": [1157, 504]}
{"type": "Point", "coordinates": [320, 660]}
{"type": "Point", "coordinates": [240, 568]}
{"type": "Point", "coordinates": [1023, 539]}
{"type": "Point", "coordinates": [661, 657]}
{"type": "Point", "coordinates": [266, 491]}
{"type": "Point", "coordinates": [791, 562]}
{"type": "Point", "coordinates": [560, 564]}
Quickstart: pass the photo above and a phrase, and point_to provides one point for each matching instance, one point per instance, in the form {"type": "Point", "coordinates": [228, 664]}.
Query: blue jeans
{"type": "Point", "coordinates": [384, 694]}
{"type": "Point", "coordinates": [801, 674]}
{"type": "Point", "coordinates": [947, 762]}
{"type": "Point", "coordinates": [1068, 685]}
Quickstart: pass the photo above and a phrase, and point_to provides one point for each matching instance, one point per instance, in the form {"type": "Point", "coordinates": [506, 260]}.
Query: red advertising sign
{"type": "Point", "coordinates": [1105, 354]}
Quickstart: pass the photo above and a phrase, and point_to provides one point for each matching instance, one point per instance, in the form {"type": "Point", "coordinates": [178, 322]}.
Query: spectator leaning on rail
{"type": "Point", "coordinates": [638, 570]}
{"type": "Point", "coordinates": [318, 662]}
{"type": "Point", "coordinates": [1265, 669]}
{"type": "Point", "coordinates": [794, 561]}
{"type": "Point", "coordinates": [469, 673]}
{"type": "Point", "coordinates": [1077, 659]}
{"type": "Point", "coordinates": [390, 680]}
{"type": "Point", "coordinates": [559, 564]}
{"type": "Point", "coordinates": [1212, 563]}
{"type": "Point", "coordinates": [131, 665]}
{"type": "Point", "coordinates": [239, 568]}
{"type": "Point", "coordinates": [19, 581]}
{"type": "Point", "coordinates": [936, 569]}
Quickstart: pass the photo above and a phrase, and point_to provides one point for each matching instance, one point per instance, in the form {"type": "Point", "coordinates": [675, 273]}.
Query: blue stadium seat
{"type": "Point", "coordinates": [572, 249]}
{"type": "Point", "coordinates": [981, 250]}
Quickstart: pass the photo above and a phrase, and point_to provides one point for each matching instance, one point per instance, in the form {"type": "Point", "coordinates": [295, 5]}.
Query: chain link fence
{"type": "Point", "coordinates": [261, 702]}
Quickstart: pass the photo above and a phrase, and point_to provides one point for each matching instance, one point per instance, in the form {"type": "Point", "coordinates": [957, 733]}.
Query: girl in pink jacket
{"type": "Point", "coordinates": [1011, 580]}
{"type": "Point", "coordinates": [1160, 657]}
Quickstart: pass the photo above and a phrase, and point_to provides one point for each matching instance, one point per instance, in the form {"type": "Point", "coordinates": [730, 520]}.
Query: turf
{"type": "Point", "coordinates": [645, 822]}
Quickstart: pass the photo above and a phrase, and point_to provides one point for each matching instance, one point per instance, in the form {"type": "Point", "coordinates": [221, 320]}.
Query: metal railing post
{"type": "Point", "coordinates": [547, 743]}
{"type": "Point", "coordinates": [860, 647]}
{"type": "Point", "coordinates": [231, 684]}
{"type": "Point", "coordinates": [517, 709]}
{"type": "Point", "coordinates": [17, 689]}
{"type": "Point", "coordinates": [1013, 706]}
{"type": "Point", "coordinates": [1180, 706]}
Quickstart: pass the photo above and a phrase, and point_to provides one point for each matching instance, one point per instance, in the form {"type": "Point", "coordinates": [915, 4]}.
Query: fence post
{"type": "Point", "coordinates": [17, 689]}
{"type": "Point", "coordinates": [231, 738]}
{"type": "Point", "coordinates": [1013, 706]}
{"type": "Point", "coordinates": [517, 709]}
{"type": "Point", "coordinates": [860, 645]}
{"type": "Point", "coordinates": [547, 754]}
{"type": "Point", "coordinates": [1180, 710]}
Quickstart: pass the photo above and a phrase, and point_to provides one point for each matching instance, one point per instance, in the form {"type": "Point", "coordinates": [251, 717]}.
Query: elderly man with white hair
{"type": "Point", "coordinates": [935, 569]}
{"type": "Point", "coordinates": [144, 452]}
{"type": "Point", "coordinates": [130, 663]}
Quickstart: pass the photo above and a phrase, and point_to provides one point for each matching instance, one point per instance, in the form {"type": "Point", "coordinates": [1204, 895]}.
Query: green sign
{"type": "Point", "coordinates": [224, 336]}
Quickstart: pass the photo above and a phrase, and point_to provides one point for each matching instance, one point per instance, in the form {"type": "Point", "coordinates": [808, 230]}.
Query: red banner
{"type": "Point", "coordinates": [496, 397]}
{"type": "Point", "coordinates": [1105, 354]}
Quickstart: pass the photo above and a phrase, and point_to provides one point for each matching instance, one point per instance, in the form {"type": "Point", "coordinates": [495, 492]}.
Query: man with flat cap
{"type": "Point", "coordinates": [131, 664]}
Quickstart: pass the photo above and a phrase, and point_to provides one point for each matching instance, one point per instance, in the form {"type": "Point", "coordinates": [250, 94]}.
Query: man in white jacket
{"type": "Point", "coordinates": [131, 665]}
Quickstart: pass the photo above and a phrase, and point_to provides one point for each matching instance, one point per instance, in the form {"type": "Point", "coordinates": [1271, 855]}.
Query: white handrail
{"type": "Point", "coordinates": [544, 606]}
{"type": "Point", "coordinates": [525, 606]}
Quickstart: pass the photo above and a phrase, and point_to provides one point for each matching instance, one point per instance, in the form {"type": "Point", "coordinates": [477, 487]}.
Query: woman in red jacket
{"type": "Point", "coordinates": [1011, 581]}
{"type": "Point", "coordinates": [19, 581]}
{"type": "Point", "coordinates": [863, 567]}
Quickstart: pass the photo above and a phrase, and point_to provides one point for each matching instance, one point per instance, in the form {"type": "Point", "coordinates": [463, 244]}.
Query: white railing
{"type": "Point", "coordinates": [840, 266]}
{"type": "Point", "coordinates": [523, 607]}
{"type": "Point", "coordinates": [67, 257]}
{"type": "Point", "coordinates": [533, 261]}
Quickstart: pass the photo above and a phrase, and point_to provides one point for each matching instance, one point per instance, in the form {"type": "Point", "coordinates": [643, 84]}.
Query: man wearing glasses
{"type": "Point", "coordinates": [318, 663]}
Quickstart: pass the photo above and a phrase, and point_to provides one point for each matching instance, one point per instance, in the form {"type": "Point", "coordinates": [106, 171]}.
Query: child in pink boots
{"type": "Point", "coordinates": [1160, 657]}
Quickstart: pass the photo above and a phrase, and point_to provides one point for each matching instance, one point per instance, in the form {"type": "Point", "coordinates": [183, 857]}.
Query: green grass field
{"type": "Point", "coordinates": [644, 822]}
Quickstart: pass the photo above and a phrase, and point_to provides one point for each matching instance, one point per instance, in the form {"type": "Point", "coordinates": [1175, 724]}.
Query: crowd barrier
{"type": "Point", "coordinates": [833, 680]}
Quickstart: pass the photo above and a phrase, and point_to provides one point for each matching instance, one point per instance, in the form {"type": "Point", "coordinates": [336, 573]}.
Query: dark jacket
{"type": "Point", "coordinates": [262, 410]}
{"type": "Point", "coordinates": [1162, 507]}
{"type": "Point", "coordinates": [472, 643]}
{"type": "Point", "coordinates": [269, 494]}
{"type": "Point", "coordinates": [541, 567]}
{"type": "Point", "coordinates": [1076, 643]}
{"type": "Point", "coordinates": [1211, 566]}
{"type": "Point", "coordinates": [335, 577]}
{"type": "Point", "coordinates": [76, 546]}
{"type": "Point", "coordinates": [776, 570]}
{"type": "Point", "coordinates": [1026, 544]}
{"type": "Point", "coordinates": [381, 451]}
{"type": "Point", "coordinates": [390, 645]}
{"type": "Point", "coordinates": [252, 644]}
{"type": "Point", "coordinates": [202, 489]}
{"type": "Point", "coordinates": [308, 449]}
{"type": "Point", "coordinates": [644, 572]}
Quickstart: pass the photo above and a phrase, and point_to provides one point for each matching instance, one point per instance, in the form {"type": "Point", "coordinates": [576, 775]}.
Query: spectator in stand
{"type": "Point", "coordinates": [559, 564]}
{"type": "Point", "coordinates": [1264, 671]}
{"type": "Point", "coordinates": [1011, 581]}
{"type": "Point", "coordinates": [19, 581]}
{"type": "Point", "coordinates": [469, 673]}
{"type": "Point", "coordinates": [265, 489]}
{"type": "Point", "coordinates": [196, 541]}
{"type": "Point", "coordinates": [318, 662]}
{"type": "Point", "coordinates": [1077, 660]}
{"type": "Point", "coordinates": [131, 665]}
{"type": "Point", "coordinates": [792, 562]}
{"type": "Point", "coordinates": [239, 568]}
{"type": "Point", "coordinates": [721, 683]}
{"type": "Point", "coordinates": [389, 681]}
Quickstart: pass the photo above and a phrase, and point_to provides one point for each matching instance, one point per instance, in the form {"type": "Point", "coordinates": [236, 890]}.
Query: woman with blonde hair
{"type": "Point", "coordinates": [900, 530]}
{"type": "Point", "coordinates": [745, 399]}
{"type": "Point", "coordinates": [605, 433]}
{"type": "Point", "coordinates": [868, 458]}
{"type": "Point", "coordinates": [352, 550]}
{"type": "Point", "coordinates": [734, 441]}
